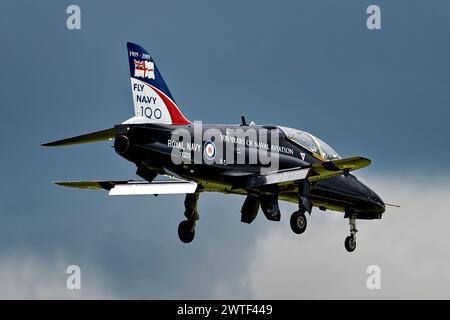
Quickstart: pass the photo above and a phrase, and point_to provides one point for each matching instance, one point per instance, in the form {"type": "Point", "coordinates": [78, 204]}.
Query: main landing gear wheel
{"type": "Point", "coordinates": [298, 222]}
{"type": "Point", "coordinates": [186, 228]}
{"type": "Point", "coordinates": [350, 243]}
{"type": "Point", "coordinates": [186, 231]}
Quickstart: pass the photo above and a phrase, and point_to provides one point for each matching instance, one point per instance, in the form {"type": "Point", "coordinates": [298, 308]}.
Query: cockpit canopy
{"type": "Point", "coordinates": [311, 143]}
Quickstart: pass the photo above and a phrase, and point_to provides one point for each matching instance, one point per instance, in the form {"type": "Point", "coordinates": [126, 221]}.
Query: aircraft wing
{"type": "Point", "coordinates": [118, 188]}
{"type": "Point", "coordinates": [314, 172]}
{"type": "Point", "coordinates": [328, 169]}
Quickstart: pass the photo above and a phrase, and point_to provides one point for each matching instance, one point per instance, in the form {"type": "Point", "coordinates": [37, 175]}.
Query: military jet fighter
{"type": "Point", "coordinates": [264, 163]}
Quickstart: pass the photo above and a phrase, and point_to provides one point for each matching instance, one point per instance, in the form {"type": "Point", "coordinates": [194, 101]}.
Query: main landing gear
{"type": "Point", "coordinates": [350, 241]}
{"type": "Point", "coordinates": [186, 228]}
{"type": "Point", "coordinates": [186, 231]}
{"type": "Point", "coordinates": [298, 218]}
{"type": "Point", "coordinates": [298, 222]}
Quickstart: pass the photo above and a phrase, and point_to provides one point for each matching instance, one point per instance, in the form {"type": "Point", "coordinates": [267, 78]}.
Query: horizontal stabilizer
{"type": "Point", "coordinates": [117, 188]}
{"type": "Point", "coordinates": [102, 135]}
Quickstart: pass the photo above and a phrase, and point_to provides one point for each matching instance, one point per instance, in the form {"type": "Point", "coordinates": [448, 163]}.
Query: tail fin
{"type": "Point", "coordinates": [153, 102]}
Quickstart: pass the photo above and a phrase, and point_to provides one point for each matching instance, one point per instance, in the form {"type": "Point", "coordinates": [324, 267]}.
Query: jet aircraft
{"type": "Point", "coordinates": [264, 163]}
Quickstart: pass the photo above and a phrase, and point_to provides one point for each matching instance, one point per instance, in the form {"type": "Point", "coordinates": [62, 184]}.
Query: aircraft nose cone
{"type": "Point", "coordinates": [378, 205]}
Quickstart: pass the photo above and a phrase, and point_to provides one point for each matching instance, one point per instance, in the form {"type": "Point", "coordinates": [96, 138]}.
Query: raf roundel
{"type": "Point", "coordinates": [209, 149]}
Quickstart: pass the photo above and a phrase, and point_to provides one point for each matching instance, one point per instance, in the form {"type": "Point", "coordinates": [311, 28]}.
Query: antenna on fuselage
{"type": "Point", "coordinates": [243, 122]}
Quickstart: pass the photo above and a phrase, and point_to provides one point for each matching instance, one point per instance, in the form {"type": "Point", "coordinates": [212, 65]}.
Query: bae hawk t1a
{"type": "Point", "coordinates": [264, 163]}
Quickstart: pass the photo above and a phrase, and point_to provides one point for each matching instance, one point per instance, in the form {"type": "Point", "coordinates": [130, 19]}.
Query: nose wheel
{"type": "Point", "coordinates": [298, 222]}
{"type": "Point", "coordinates": [350, 241]}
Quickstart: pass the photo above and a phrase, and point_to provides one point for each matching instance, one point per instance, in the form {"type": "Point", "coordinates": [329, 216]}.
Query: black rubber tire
{"type": "Point", "coordinates": [298, 222]}
{"type": "Point", "coordinates": [186, 231]}
{"type": "Point", "coordinates": [350, 243]}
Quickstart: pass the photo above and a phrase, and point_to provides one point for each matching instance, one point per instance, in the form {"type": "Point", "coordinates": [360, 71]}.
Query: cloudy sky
{"type": "Point", "coordinates": [312, 65]}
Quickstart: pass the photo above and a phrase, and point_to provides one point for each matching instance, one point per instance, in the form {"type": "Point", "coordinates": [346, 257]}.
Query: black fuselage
{"type": "Point", "coordinates": [173, 149]}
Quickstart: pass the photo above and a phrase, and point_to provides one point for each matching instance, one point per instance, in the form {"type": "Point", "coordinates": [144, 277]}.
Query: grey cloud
{"type": "Point", "coordinates": [31, 277]}
{"type": "Point", "coordinates": [263, 260]}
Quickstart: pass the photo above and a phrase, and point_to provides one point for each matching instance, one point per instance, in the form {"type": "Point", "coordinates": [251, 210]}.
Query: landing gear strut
{"type": "Point", "coordinates": [186, 228]}
{"type": "Point", "coordinates": [350, 241]}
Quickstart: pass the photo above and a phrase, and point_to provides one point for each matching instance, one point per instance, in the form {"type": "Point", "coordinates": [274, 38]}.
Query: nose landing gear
{"type": "Point", "coordinates": [350, 241]}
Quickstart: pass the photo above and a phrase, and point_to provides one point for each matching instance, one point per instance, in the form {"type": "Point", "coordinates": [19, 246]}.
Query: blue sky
{"type": "Point", "coordinates": [311, 65]}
